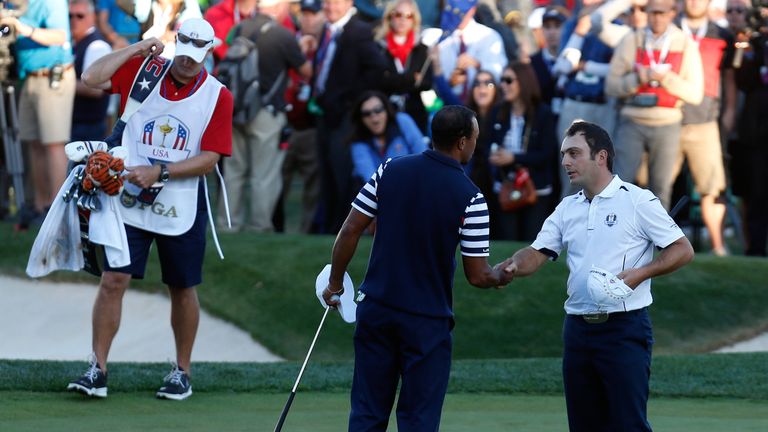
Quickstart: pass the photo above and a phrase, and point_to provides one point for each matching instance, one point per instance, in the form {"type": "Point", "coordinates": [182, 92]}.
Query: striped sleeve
{"type": "Point", "coordinates": [475, 232]}
{"type": "Point", "coordinates": [367, 200]}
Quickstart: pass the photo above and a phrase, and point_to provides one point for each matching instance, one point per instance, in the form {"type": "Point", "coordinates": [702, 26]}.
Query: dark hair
{"type": "Point", "coordinates": [450, 124]}
{"type": "Point", "coordinates": [596, 137]}
{"type": "Point", "coordinates": [530, 92]}
{"type": "Point", "coordinates": [472, 103]}
{"type": "Point", "coordinates": [360, 131]}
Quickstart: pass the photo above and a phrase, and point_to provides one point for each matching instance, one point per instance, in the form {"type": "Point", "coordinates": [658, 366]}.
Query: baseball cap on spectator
{"type": "Point", "coordinates": [194, 39]}
{"type": "Point", "coordinates": [311, 5]}
{"type": "Point", "coordinates": [269, 3]}
{"type": "Point", "coordinates": [553, 13]}
{"type": "Point", "coordinates": [453, 13]}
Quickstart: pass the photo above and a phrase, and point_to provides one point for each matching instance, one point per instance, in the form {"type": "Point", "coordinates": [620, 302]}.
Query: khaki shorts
{"type": "Point", "coordinates": [700, 145]}
{"type": "Point", "coordinates": [45, 114]}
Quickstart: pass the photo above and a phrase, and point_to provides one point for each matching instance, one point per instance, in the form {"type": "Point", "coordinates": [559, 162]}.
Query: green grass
{"type": "Point", "coordinates": [327, 412]}
{"type": "Point", "coordinates": [694, 376]}
{"type": "Point", "coordinates": [266, 286]}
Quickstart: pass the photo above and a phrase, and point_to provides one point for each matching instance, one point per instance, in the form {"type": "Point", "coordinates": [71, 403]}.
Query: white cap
{"type": "Point", "coordinates": [347, 308]}
{"type": "Point", "coordinates": [195, 28]}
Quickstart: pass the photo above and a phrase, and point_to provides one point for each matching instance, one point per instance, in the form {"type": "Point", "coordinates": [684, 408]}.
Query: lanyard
{"type": "Point", "coordinates": [666, 43]}
{"type": "Point", "coordinates": [700, 32]}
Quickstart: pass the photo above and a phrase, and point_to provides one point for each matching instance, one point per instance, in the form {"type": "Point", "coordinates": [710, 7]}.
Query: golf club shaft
{"type": "Point", "coordinates": [676, 209]}
{"type": "Point", "coordinates": [287, 406]}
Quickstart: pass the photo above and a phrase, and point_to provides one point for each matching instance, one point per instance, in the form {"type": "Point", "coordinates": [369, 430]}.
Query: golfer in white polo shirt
{"type": "Point", "coordinates": [607, 229]}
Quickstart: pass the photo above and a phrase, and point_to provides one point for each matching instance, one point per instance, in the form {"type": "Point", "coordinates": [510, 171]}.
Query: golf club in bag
{"type": "Point", "coordinates": [287, 406]}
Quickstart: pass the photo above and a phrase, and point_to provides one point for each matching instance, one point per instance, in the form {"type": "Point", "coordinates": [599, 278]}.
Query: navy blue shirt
{"type": "Point", "coordinates": [425, 207]}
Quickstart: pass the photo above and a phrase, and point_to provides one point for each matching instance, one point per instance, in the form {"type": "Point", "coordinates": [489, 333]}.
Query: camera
{"type": "Point", "coordinates": [14, 9]}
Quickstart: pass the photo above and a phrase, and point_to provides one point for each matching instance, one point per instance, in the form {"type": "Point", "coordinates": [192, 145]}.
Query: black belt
{"type": "Point", "coordinates": [601, 317]}
{"type": "Point", "coordinates": [47, 72]}
{"type": "Point", "coordinates": [600, 100]}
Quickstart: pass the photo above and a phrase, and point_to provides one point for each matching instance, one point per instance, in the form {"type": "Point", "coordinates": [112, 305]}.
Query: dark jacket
{"type": "Point", "coordinates": [541, 148]}
{"type": "Point", "coordinates": [357, 66]}
{"type": "Point", "coordinates": [395, 83]}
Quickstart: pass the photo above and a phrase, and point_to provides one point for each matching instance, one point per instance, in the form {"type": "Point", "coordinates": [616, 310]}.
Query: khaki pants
{"type": "Point", "coordinates": [256, 163]}
{"type": "Point", "coordinates": [700, 146]}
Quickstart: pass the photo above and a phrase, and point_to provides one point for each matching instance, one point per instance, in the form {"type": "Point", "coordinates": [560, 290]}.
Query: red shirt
{"type": "Point", "coordinates": [217, 136]}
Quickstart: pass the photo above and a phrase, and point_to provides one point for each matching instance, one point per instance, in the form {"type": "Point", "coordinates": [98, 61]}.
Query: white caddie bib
{"type": "Point", "coordinates": [164, 131]}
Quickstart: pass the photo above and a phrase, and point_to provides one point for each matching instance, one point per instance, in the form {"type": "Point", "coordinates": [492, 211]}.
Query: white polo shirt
{"type": "Point", "coordinates": [613, 232]}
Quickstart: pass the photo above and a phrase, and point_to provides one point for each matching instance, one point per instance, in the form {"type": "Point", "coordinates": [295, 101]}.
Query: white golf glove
{"type": "Point", "coordinates": [606, 289]}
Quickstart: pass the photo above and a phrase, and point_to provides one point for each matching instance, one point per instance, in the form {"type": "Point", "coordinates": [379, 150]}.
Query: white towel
{"type": "Point", "coordinates": [106, 228]}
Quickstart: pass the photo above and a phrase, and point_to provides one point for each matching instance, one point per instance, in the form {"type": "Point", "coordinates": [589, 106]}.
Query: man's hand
{"type": "Point", "coordinates": [151, 46]}
{"type": "Point", "coordinates": [631, 277]}
{"type": "Point", "coordinates": [505, 277]}
{"type": "Point", "coordinates": [143, 176]}
{"type": "Point", "coordinates": [307, 43]}
{"type": "Point", "coordinates": [332, 294]}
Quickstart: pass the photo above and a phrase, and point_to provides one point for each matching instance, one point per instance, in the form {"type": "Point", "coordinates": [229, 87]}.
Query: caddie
{"type": "Point", "coordinates": [608, 229]}
{"type": "Point", "coordinates": [176, 136]}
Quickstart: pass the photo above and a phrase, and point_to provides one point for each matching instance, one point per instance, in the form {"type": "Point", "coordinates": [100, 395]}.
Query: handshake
{"type": "Point", "coordinates": [504, 272]}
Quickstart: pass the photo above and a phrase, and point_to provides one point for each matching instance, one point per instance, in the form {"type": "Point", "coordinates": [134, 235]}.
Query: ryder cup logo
{"type": "Point", "coordinates": [610, 220]}
{"type": "Point", "coordinates": [165, 139]}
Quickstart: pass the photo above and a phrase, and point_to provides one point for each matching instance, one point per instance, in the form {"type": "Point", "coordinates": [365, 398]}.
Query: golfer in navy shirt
{"type": "Point", "coordinates": [425, 206]}
{"type": "Point", "coordinates": [609, 225]}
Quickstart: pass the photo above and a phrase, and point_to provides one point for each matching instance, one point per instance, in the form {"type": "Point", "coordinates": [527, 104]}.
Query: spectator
{"type": "Point", "coordinates": [89, 117]}
{"type": "Point", "coordinates": [257, 158]}
{"type": "Point", "coordinates": [582, 66]}
{"type": "Point", "coordinates": [611, 22]}
{"type": "Point", "coordinates": [752, 79]}
{"type": "Point", "coordinates": [225, 15]}
{"type": "Point", "coordinates": [161, 18]}
{"type": "Point", "coordinates": [700, 135]}
{"type": "Point", "coordinates": [406, 76]}
{"type": "Point", "coordinates": [301, 155]}
{"type": "Point", "coordinates": [44, 61]}
{"type": "Point", "coordinates": [469, 47]}
{"type": "Point", "coordinates": [654, 71]}
{"type": "Point", "coordinates": [737, 169]}
{"type": "Point", "coordinates": [379, 133]}
{"type": "Point", "coordinates": [347, 63]}
{"type": "Point", "coordinates": [119, 28]}
{"type": "Point", "coordinates": [544, 60]}
{"type": "Point", "coordinates": [523, 136]}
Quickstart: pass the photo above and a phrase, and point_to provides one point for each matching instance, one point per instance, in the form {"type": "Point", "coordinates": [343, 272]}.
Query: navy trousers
{"type": "Point", "coordinates": [393, 346]}
{"type": "Point", "coordinates": [606, 369]}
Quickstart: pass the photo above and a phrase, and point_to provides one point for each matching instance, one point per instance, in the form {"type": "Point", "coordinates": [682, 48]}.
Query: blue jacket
{"type": "Point", "coordinates": [407, 140]}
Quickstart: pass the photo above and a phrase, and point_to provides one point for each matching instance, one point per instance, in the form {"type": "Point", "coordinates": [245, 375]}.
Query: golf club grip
{"type": "Point", "coordinates": [284, 414]}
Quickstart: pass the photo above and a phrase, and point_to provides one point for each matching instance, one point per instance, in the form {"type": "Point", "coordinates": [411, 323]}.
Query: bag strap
{"type": "Point", "coordinates": [150, 73]}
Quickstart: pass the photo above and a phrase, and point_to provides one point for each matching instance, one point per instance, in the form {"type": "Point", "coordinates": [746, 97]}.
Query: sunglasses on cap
{"type": "Point", "coordinates": [737, 10]}
{"type": "Point", "coordinates": [367, 113]}
{"type": "Point", "coordinates": [77, 15]}
{"type": "Point", "coordinates": [196, 42]}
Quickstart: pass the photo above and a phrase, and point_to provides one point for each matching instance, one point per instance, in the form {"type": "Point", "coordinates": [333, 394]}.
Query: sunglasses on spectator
{"type": "Point", "coordinates": [658, 12]}
{"type": "Point", "coordinates": [735, 10]}
{"type": "Point", "coordinates": [635, 9]}
{"type": "Point", "coordinates": [196, 42]}
{"type": "Point", "coordinates": [367, 113]}
{"type": "Point", "coordinates": [508, 79]}
{"type": "Point", "coordinates": [77, 15]}
{"type": "Point", "coordinates": [402, 15]}
{"type": "Point", "coordinates": [485, 83]}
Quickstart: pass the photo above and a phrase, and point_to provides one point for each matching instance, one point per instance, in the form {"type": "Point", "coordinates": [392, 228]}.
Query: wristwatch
{"type": "Point", "coordinates": [165, 175]}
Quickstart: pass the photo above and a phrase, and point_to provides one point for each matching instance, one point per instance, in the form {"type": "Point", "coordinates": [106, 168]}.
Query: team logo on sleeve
{"type": "Point", "coordinates": [610, 220]}
{"type": "Point", "coordinates": [164, 138]}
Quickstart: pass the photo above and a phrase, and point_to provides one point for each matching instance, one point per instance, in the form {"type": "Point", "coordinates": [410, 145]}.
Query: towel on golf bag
{"type": "Point", "coordinates": [57, 245]}
{"type": "Point", "coordinates": [606, 289]}
{"type": "Point", "coordinates": [106, 228]}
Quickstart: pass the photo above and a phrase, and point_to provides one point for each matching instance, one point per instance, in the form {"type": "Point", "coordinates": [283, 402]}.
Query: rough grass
{"type": "Point", "coordinates": [266, 286]}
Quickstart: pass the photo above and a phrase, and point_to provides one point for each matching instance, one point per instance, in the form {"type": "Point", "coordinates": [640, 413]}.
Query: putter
{"type": "Point", "coordinates": [284, 414]}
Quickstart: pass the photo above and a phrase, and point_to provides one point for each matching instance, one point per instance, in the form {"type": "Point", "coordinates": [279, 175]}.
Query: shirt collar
{"type": "Point", "coordinates": [442, 158]}
{"type": "Point", "coordinates": [610, 190]}
{"type": "Point", "coordinates": [338, 25]}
